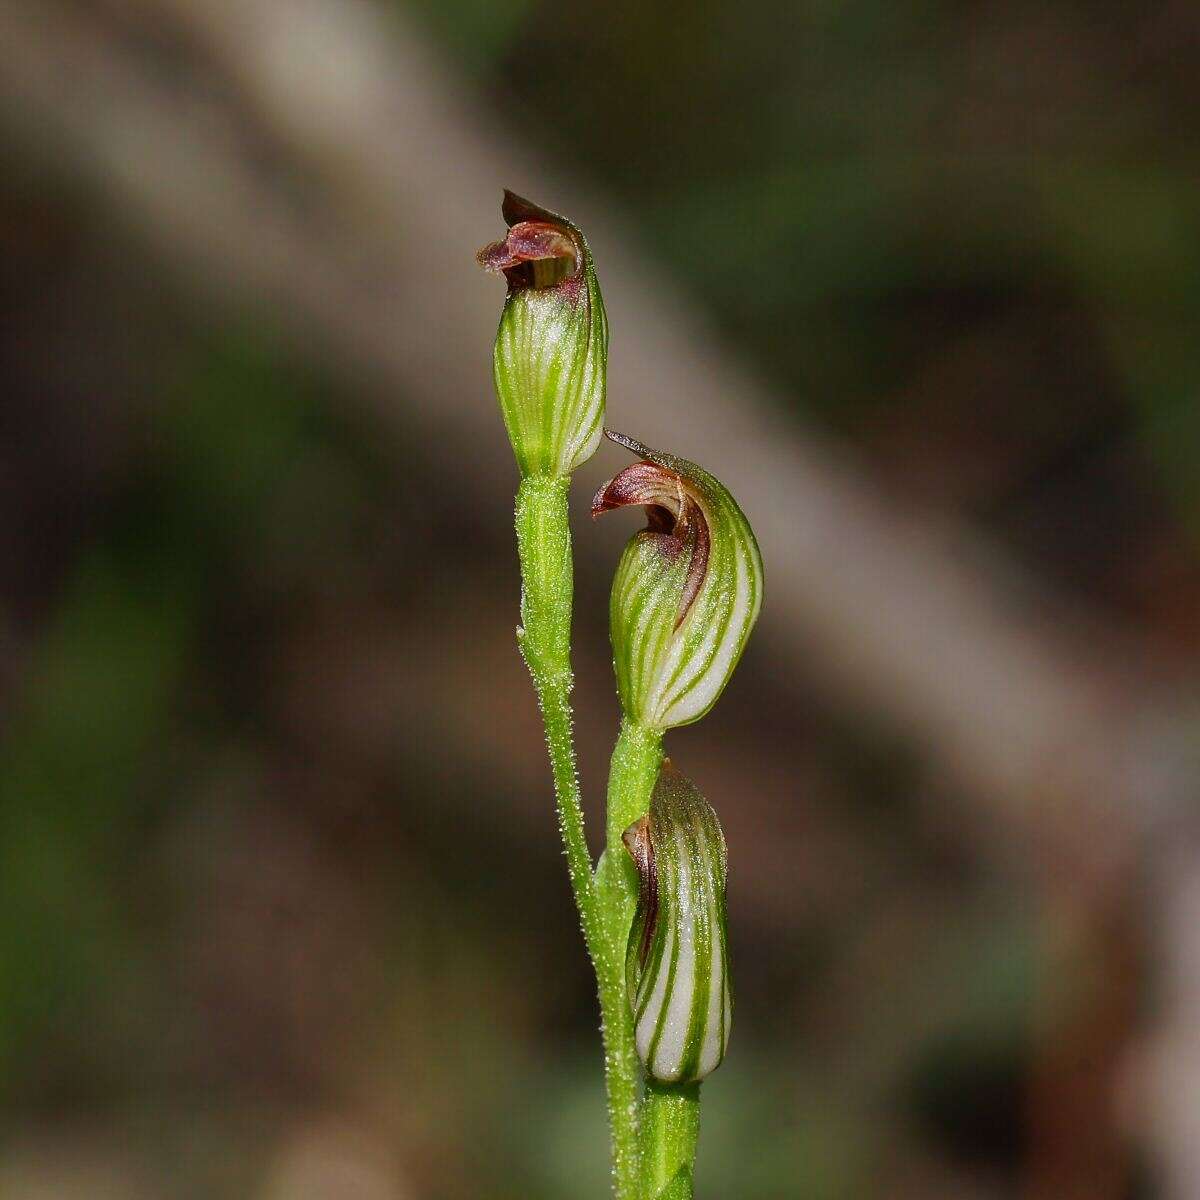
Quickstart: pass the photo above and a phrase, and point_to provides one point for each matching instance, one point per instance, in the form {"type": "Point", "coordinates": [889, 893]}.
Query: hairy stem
{"type": "Point", "coordinates": [544, 545]}
{"type": "Point", "coordinates": [635, 763]}
{"type": "Point", "coordinates": [670, 1125]}
{"type": "Point", "coordinates": [636, 759]}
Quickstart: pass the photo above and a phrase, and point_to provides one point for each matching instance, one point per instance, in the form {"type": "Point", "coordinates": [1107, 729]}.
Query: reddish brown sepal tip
{"type": "Point", "coordinates": [516, 209]}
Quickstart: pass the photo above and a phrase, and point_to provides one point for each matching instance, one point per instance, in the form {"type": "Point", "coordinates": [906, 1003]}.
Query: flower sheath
{"type": "Point", "coordinates": [687, 591]}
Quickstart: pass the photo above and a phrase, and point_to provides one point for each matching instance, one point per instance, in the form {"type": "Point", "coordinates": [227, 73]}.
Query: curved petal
{"type": "Point", "coordinates": [677, 961]}
{"type": "Point", "coordinates": [551, 353]}
{"type": "Point", "coordinates": [680, 617]}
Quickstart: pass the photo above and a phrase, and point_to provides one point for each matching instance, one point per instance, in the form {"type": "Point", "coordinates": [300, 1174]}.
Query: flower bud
{"type": "Point", "coordinates": [551, 355]}
{"type": "Point", "coordinates": [677, 962]}
{"type": "Point", "coordinates": [687, 591]}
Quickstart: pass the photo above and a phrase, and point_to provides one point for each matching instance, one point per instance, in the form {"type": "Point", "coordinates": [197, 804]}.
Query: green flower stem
{"type": "Point", "coordinates": [636, 759]}
{"type": "Point", "coordinates": [670, 1125]}
{"type": "Point", "coordinates": [635, 763]}
{"type": "Point", "coordinates": [544, 546]}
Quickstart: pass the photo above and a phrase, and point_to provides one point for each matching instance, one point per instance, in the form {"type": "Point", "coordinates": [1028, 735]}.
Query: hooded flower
{"type": "Point", "coordinates": [687, 590]}
{"type": "Point", "coordinates": [551, 352]}
{"type": "Point", "coordinates": [677, 962]}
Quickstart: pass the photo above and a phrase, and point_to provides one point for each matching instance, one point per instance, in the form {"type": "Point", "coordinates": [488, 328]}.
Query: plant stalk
{"type": "Point", "coordinates": [636, 759]}
{"type": "Point", "coordinates": [544, 637]}
{"type": "Point", "coordinates": [547, 585]}
{"type": "Point", "coordinates": [670, 1126]}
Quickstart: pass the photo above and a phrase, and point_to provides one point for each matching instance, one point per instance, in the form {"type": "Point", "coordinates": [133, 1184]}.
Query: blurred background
{"type": "Point", "coordinates": [283, 914]}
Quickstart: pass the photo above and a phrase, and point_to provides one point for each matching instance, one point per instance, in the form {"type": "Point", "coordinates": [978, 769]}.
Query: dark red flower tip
{"type": "Point", "coordinates": [641, 850]}
{"type": "Point", "coordinates": [541, 250]}
{"type": "Point", "coordinates": [674, 518]}
{"type": "Point", "coordinates": [531, 241]}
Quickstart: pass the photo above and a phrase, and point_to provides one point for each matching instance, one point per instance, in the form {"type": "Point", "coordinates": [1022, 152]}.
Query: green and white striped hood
{"type": "Point", "coordinates": [551, 353]}
{"type": "Point", "coordinates": [677, 962]}
{"type": "Point", "coordinates": [687, 591]}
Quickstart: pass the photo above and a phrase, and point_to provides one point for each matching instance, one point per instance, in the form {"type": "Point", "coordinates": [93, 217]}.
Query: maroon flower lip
{"type": "Point", "coordinates": [538, 252]}
{"type": "Point", "coordinates": [674, 519]}
{"type": "Point", "coordinates": [641, 849]}
{"type": "Point", "coordinates": [534, 254]}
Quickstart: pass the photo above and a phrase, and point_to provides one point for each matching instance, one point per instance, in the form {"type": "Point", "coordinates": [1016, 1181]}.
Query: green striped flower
{"type": "Point", "coordinates": [687, 591]}
{"type": "Point", "coordinates": [551, 355]}
{"type": "Point", "coordinates": [677, 963]}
